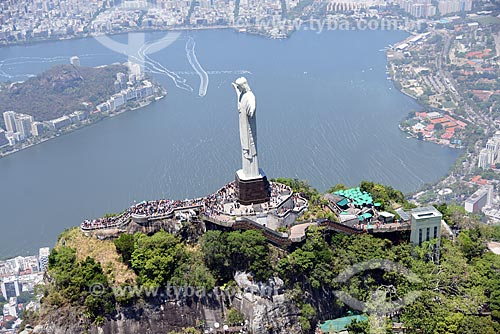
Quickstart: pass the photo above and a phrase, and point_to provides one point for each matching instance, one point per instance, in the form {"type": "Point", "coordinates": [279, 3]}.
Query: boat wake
{"type": "Point", "coordinates": [195, 64]}
{"type": "Point", "coordinates": [156, 67]}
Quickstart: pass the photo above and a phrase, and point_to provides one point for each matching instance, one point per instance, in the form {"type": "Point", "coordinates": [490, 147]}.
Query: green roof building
{"type": "Point", "coordinates": [339, 325]}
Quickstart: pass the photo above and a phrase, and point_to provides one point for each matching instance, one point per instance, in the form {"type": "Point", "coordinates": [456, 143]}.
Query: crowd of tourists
{"type": "Point", "coordinates": [104, 222]}
{"type": "Point", "coordinates": [211, 206]}
{"type": "Point", "coordinates": [150, 209]}
{"type": "Point", "coordinates": [163, 207]}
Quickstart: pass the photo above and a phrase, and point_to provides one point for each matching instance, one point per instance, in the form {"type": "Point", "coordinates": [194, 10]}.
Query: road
{"type": "Point", "coordinates": [473, 114]}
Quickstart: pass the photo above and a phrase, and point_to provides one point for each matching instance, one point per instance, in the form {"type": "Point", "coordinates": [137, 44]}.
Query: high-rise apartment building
{"type": "Point", "coordinates": [9, 118]}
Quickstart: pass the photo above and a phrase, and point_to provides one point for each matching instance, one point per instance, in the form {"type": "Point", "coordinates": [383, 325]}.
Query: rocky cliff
{"type": "Point", "coordinates": [269, 315]}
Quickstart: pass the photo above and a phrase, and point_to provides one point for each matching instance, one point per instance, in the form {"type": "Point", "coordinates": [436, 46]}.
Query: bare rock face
{"type": "Point", "coordinates": [269, 315]}
{"type": "Point", "coordinates": [266, 315]}
{"type": "Point", "coordinates": [266, 306]}
{"type": "Point", "coordinates": [154, 317]}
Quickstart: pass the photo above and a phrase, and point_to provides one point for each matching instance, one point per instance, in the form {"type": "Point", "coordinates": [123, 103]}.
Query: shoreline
{"type": "Point", "coordinates": [240, 29]}
{"type": "Point", "coordinates": [462, 149]}
{"type": "Point", "coordinates": [89, 35]}
{"type": "Point", "coordinates": [402, 114]}
{"type": "Point", "coordinates": [86, 125]}
{"type": "Point", "coordinates": [219, 28]}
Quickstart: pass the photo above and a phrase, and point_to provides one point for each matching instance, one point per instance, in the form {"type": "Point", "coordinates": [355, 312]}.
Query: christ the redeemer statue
{"type": "Point", "coordinates": [248, 129]}
{"type": "Point", "coordinates": [251, 182]}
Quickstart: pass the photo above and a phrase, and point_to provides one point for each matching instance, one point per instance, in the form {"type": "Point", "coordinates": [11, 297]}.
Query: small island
{"type": "Point", "coordinates": [69, 97]}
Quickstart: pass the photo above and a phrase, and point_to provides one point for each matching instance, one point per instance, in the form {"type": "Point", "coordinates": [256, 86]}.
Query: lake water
{"type": "Point", "coordinates": [326, 113]}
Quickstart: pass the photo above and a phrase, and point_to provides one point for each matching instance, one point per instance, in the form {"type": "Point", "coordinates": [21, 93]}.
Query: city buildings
{"type": "Point", "coordinates": [478, 200]}
{"type": "Point", "coordinates": [23, 20]}
{"type": "Point", "coordinates": [489, 154]}
{"type": "Point", "coordinates": [22, 273]}
{"type": "Point", "coordinates": [35, 19]}
{"type": "Point", "coordinates": [43, 258]}
{"type": "Point", "coordinates": [139, 91]}
{"type": "Point", "coordinates": [3, 139]}
{"type": "Point", "coordinates": [10, 287]}
{"type": "Point", "coordinates": [19, 126]}
{"type": "Point", "coordinates": [23, 125]}
{"type": "Point", "coordinates": [485, 159]}
{"type": "Point", "coordinates": [37, 129]}
{"type": "Point", "coordinates": [9, 118]}
{"type": "Point", "coordinates": [59, 123]}
{"type": "Point", "coordinates": [418, 8]}
{"type": "Point", "coordinates": [454, 6]}
{"type": "Point", "coordinates": [10, 309]}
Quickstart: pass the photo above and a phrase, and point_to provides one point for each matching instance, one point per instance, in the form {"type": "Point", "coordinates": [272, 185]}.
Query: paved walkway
{"type": "Point", "coordinates": [299, 231]}
{"type": "Point", "coordinates": [494, 247]}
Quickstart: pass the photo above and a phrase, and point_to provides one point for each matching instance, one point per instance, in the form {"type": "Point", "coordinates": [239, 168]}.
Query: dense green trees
{"type": "Point", "coordinates": [455, 215]}
{"type": "Point", "coordinates": [386, 195]}
{"type": "Point", "coordinates": [460, 290]}
{"type": "Point", "coordinates": [458, 293]}
{"type": "Point", "coordinates": [311, 264]}
{"type": "Point", "coordinates": [162, 259]}
{"type": "Point", "coordinates": [300, 186]}
{"type": "Point", "coordinates": [125, 246]}
{"type": "Point", "coordinates": [361, 327]}
{"type": "Point", "coordinates": [235, 317]}
{"type": "Point", "coordinates": [227, 252]}
{"type": "Point", "coordinates": [80, 283]}
{"type": "Point", "coordinates": [155, 258]}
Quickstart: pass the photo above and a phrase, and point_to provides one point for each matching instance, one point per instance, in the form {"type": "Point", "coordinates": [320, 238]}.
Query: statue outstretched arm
{"type": "Point", "coordinates": [237, 89]}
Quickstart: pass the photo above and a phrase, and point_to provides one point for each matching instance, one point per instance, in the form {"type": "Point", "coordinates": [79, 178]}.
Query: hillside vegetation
{"type": "Point", "coordinates": [103, 251]}
{"type": "Point", "coordinates": [60, 90]}
{"type": "Point", "coordinates": [459, 291]}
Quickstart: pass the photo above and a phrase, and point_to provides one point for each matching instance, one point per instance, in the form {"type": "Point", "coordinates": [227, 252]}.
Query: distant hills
{"type": "Point", "coordinates": [61, 90]}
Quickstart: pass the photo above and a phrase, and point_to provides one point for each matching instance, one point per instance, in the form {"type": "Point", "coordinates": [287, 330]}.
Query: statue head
{"type": "Point", "coordinates": [243, 84]}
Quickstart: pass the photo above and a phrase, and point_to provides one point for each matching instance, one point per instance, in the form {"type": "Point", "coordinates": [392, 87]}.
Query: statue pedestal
{"type": "Point", "coordinates": [252, 190]}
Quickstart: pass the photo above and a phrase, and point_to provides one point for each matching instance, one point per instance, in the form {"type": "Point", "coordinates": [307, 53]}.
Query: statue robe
{"type": "Point", "coordinates": [248, 134]}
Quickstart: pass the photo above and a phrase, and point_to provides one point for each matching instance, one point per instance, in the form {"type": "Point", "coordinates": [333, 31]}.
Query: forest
{"type": "Point", "coordinates": [458, 292]}
{"type": "Point", "coordinates": [61, 90]}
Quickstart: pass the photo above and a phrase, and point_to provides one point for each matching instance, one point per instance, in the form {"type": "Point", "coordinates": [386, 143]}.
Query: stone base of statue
{"type": "Point", "coordinates": [252, 190]}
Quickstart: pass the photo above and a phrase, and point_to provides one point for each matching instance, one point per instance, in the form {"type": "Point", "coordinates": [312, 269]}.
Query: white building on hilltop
{"type": "Point", "coordinates": [425, 225]}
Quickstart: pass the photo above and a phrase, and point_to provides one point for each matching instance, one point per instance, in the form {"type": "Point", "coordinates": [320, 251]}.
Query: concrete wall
{"type": "Point", "coordinates": [420, 226]}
